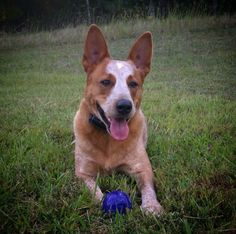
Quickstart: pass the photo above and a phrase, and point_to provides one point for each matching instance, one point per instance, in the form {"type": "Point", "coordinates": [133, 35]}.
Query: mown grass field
{"type": "Point", "coordinates": [190, 104]}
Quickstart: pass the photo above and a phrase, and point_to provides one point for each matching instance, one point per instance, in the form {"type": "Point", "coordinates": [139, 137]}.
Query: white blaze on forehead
{"type": "Point", "coordinates": [120, 64]}
{"type": "Point", "coordinates": [121, 70]}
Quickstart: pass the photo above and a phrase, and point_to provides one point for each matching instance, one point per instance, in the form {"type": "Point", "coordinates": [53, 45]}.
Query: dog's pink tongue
{"type": "Point", "coordinates": [119, 129]}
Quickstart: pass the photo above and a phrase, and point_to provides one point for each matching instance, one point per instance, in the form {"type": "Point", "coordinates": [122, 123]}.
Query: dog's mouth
{"type": "Point", "coordinates": [117, 127]}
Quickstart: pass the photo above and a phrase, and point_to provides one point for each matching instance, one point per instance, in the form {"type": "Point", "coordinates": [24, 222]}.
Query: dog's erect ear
{"type": "Point", "coordinates": [95, 48]}
{"type": "Point", "coordinates": [141, 53]}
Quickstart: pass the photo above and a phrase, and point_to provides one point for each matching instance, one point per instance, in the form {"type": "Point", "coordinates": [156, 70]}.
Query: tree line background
{"type": "Point", "coordinates": [17, 15]}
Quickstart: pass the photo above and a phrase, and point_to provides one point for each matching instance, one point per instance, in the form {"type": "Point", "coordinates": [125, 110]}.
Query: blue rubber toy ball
{"type": "Point", "coordinates": [116, 201]}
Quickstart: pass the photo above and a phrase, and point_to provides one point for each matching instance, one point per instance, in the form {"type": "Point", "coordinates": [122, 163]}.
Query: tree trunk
{"type": "Point", "coordinates": [214, 7]}
{"type": "Point", "coordinates": [88, 12]}
{"type": "Point", "coordinates": [163, 4]}
{"type": "Point", "coordinates": [151, 9]}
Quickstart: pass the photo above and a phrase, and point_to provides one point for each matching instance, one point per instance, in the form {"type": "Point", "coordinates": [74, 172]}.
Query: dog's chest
{"type": "Point", "coordinates": [109, 156]}
{"type": "Point", "coordinates": [112, 159]}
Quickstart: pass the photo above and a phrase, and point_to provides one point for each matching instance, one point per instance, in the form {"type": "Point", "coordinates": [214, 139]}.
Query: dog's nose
{"type": "Point", "coordinates": [124, 106]}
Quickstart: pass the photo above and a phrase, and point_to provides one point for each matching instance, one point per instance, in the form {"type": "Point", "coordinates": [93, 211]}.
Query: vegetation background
{"type": "Point", "coordinates": [18, 15]}
{"type": "Point", "coordinates": [189, 101]}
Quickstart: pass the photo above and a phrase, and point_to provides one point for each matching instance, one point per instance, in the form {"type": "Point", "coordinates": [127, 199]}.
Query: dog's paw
{"type": "Point", "coordinates": [152, 209]}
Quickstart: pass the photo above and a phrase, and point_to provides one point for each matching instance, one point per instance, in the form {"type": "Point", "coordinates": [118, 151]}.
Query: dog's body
{"type": "Point", "coordinates": [110, 128]}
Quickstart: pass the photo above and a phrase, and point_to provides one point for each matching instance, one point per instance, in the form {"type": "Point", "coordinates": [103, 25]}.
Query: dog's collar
{"type": "Point", "coordinates": [103, 124]}
{"type": "Point", "coordinates": [94, 120]}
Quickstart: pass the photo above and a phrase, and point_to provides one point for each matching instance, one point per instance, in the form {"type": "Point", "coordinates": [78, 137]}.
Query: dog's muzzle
{"type": "Point", "coordinates": [117, 127]}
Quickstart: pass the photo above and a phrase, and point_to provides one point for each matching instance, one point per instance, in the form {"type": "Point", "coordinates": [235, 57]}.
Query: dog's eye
{"type": "Point", "coordinates": [133, 84]}
{"type": "Point", "coordinates": [105, 82]}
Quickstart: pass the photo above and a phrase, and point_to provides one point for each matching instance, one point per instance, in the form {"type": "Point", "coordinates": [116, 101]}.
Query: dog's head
{"type": "Point", "coordinates": [114, 87]}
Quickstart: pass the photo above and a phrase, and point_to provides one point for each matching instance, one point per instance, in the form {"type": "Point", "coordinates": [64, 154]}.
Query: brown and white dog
{"type": "Point", "coordinates": [110, 128]}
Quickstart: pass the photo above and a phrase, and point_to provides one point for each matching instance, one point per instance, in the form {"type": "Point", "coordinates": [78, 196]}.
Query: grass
{"type": "Point", "coordinates": [190, 105]}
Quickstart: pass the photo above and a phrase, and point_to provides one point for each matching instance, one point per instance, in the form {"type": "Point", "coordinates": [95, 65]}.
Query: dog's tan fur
{"type": "Point", "coordinates": [95, 150]}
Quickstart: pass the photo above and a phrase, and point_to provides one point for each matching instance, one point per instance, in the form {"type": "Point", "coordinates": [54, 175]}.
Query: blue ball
{"type": "Point", "coordinates": [116, 201]}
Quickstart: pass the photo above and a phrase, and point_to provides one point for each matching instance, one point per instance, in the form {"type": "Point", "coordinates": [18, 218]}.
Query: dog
{"type": "Point", "coordinates": [110, 129]}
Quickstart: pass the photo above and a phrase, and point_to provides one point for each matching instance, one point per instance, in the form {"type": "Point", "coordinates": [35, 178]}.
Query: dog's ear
{"type": "Point", "coordinates": [95, 48]}
{"type": "Point", "coordinates": [141, 53]}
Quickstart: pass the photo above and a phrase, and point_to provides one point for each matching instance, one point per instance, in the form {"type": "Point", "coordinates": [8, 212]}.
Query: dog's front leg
{"type": "Point", "coordinates": [144, 177]}
{"type": "Point", "coordinates": [93, 188]}
{"type": "Point", "coordinates": [87, 171]}
{"type": "Point", "coordinates": [150, 205]}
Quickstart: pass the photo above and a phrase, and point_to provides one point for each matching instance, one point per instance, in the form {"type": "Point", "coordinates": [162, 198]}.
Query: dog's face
{"type": "Point", "coordinates": [114, 88]}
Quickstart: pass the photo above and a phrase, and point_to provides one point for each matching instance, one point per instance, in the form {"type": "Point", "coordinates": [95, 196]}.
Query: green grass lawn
{"type": "Point", "coordinates": [189, 101]}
